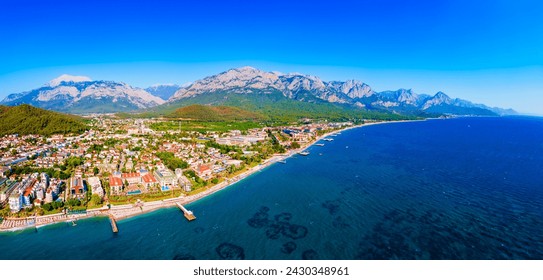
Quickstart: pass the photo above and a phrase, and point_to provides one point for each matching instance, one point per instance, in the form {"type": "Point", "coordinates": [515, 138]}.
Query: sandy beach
{"type": "Point", "coordinates": [119, 212]}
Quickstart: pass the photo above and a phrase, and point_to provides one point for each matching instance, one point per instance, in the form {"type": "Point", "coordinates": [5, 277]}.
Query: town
{"type": "Point", "coordinates": [126, 161]}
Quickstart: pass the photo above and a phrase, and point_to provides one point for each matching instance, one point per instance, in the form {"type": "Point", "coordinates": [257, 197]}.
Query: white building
{"type": "Point", "coordinates": [96, 186]}
{"type": "Point", "coordinates": [16, 202]}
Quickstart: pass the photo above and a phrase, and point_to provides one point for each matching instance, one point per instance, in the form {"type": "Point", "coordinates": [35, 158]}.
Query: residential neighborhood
{"type": "Point", "coordinates": [120, 160]}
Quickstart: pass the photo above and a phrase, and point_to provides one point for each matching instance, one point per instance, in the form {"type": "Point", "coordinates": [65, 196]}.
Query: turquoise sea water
{"type": "Point", "coordinates": [467, 188]}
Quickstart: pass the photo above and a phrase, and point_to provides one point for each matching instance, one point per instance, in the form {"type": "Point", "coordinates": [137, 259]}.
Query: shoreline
{"type": "Point", "coordinates": [122, 212]}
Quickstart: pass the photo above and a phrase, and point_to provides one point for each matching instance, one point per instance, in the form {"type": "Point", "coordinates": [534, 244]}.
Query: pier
{"type": "Point", "coordinates": [188, 214]}
{"type": "Point", "coordinates": [113, 224]}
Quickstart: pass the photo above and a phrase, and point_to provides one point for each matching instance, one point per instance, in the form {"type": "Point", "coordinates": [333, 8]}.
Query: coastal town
{"type": "Point", "coordinates": [124, 167]}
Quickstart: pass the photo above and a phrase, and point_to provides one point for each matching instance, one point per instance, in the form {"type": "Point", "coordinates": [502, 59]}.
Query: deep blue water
{"type": "Point", "coordinates": [468, 188]}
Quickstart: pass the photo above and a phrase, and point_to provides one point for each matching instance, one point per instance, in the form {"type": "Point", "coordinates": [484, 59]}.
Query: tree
{"type": "Point", "coordinates": [95, 170]}
{"type": "Point", "coordinates": [95, 199]}
{"type": "Point", "coordinates": [47, 207]}
{"type": "Point", "coordinates": [294, 145]}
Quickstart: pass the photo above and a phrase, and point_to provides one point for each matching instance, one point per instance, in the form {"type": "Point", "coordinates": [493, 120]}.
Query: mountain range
{"type": "Point", "coordinates": [79, 94]}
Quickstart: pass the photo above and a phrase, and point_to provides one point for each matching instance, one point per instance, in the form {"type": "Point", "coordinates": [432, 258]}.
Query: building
{"type": "Point", "coordinates": [49, 196]}
{"type": "Point", "coordinates": [203, 171]}
{"type": "Point", "coordinates": [165, 177]}
{"type": "Point", "coordinates": [16, 202]}
{"type": "Point", "coordinates": [40, 192]}
{"type": "Point", "coordinates": [44, 179]}
{"type": "Point", "coordinates": [3, 171]}
{"type": "Point", "coordinates": [96, 186]}
{"type": "Point", "coordinates": [116, 185]}
{"type": "Point", "coordinates": [6, 188]}
{"type": "Point", "coordinates": [185, 183]}
{"type": "Point", "coordinates": [132, 178]}
{"type": "Point", "coordinates": [78, 189]}
{"type": "Point", "coordinates": [149, 181]}
{"type": "Point", "coordinates": [234, 162]}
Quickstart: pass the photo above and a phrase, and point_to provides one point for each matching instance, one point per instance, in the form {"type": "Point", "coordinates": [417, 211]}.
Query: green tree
{"type": "Point", "coordinates": [47, 207]}
{"type": "Point", "coordinates": [96, 200]}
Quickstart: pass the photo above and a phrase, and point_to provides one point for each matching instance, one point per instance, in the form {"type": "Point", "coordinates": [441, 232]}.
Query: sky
{"type": "Point", "coordinates": [488, 52]}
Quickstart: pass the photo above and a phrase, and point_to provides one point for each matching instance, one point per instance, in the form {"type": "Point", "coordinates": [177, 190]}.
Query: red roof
{"type": "Point", "coordinates": [28, 191]}
{"type": "Point", "coordinates": [203, 168]}
{"type": "Point", "coordinates": [148, 178]}
{"type": "Point", "coordinates": [115, 181]}
{"type": "Point", "coordinates": [130, 175]}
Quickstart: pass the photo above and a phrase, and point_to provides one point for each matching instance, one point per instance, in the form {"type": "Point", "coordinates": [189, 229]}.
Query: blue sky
{"type": "Point", "coordinates": [485, 51]}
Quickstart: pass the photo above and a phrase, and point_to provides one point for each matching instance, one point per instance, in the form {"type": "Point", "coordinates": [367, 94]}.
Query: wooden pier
{"type": "Point", "coordinates": [113, 224]}
{"type": "Point", "coordinates": [188, 214]}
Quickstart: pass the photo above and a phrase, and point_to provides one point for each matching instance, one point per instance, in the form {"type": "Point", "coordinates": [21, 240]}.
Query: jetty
{"type": "Point", "coordinates": [113, 224]}
{"type": "Point", "coordinates": [188, 214]}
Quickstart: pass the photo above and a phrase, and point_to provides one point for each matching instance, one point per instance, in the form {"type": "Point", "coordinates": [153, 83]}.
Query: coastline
{"type": "Point", "coordinates": [121, 212]}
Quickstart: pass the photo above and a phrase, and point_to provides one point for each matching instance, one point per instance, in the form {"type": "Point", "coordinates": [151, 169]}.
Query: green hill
{"type": "Point", "coordinates": [275, 107]}
{"type": "Point", "coordinates": [25, 119]}
{"type": "Point", "coordinates": [215, 113]}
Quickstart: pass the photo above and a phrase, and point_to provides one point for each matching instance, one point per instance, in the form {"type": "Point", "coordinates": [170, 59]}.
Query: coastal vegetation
{"type": "Point", "coordinates": [171, 161]}
{"type": "Point", "coordinates": [209, 113]}
{"type": "Point", "coordinates": [204, 126]}
{"type": "Point", "coordinates": [26, 119]}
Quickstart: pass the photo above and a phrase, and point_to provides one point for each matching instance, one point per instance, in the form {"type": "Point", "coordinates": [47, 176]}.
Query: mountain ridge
{"type": "Point", "coordinates": [308, 88]}
{"type": "Point", "coordinates": [76, 94]}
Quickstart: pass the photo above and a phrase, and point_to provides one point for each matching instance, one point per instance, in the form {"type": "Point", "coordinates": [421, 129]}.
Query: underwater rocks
{"type": "Point", "coordinates": [229, 251]}
{"type": "Point", "coordinates": [332, 206]}
{"type": "Point", "coordinates": [339, 222]}
{"type": "Point", "coordinates": [199, 230]}
{"type": "Point", "coordinates": [294, 231]}
{"type": "Point", "coordinates": [288, 247]}
{"type": "Point", "coordinates": [280, 226]}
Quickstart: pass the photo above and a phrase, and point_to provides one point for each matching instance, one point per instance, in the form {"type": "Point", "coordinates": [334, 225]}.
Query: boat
{"type": "Point", "coordinates": [304, 153]}
{"type": "Point", "coordinates": [328, 139]}
{"type": "Point", "coordinates": [283, 161]}
{"type": "Point", "coordinates": [319, 144]}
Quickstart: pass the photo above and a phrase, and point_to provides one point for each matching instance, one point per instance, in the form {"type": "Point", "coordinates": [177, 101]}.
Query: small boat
{"type": "Point", "coordinates": [304, 153]}
{"type": "Point", "coordinates": [346, 147]}
{"type": "Point", "coordinates": [328, 139]}
{"type": "Point", "coordinates": [283, 161]}
{"type": "Point", "coordinates": [319, 144]}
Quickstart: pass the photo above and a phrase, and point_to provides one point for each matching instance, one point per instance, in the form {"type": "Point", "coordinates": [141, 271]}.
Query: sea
{"type": "Point", "coordinates": [461, 188]}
